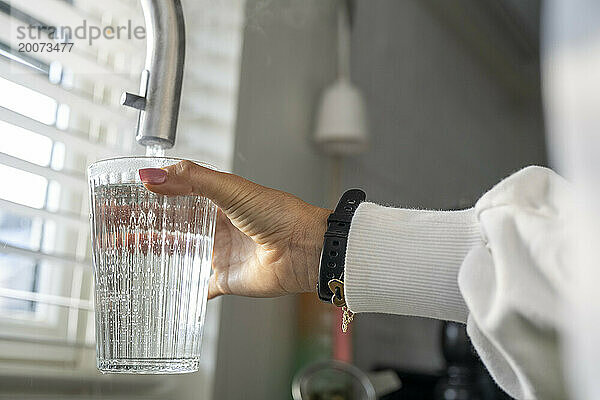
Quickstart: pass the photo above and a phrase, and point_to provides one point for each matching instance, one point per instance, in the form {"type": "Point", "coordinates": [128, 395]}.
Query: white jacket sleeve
{"type": "Point", "coordinates": [501, 267]}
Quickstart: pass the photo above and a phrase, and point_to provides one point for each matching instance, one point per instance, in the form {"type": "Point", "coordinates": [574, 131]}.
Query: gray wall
{"type": "Point", "coordinates": [444, 130]}
{"type": "Point", "coordinates": [287, 60]}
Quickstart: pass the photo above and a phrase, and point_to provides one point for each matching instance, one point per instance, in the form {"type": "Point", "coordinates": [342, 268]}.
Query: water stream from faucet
{"type": "Point", "coordinates": [155, 151]}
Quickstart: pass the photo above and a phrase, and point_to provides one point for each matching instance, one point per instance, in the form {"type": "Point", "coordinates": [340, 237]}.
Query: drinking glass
{"type": "Point", "coordinates": [152, 258]}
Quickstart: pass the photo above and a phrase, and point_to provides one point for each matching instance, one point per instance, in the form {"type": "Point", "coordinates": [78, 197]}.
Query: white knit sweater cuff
{"type": "Point", "coordinates": [402, 261]}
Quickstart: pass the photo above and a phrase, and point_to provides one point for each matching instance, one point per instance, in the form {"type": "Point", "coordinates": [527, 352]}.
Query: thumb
{"type": "Point", "coordinates": [188, 178]}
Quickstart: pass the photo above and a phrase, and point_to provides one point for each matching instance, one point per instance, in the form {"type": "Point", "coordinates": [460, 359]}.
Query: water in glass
{"type": "Point", "coordinates": [152, 257]}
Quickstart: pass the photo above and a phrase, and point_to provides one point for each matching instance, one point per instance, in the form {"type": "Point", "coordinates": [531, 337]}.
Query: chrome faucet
{"type": "Point", "coordinates": [160, 89]}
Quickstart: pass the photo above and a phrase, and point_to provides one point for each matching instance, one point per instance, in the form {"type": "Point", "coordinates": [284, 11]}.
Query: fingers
{"type": "Point", "coordinates": [187, 178]}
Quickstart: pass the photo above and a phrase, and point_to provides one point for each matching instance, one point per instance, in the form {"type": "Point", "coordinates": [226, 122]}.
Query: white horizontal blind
{"type": "Point", "coordinates": [58, 113]}
{"type": "Point", "coordinates": [212, 71]}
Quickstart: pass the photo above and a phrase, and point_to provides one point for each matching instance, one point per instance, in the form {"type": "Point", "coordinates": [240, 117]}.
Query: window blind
{"type": "Point", "coordinates": [60, 111]}
{"type": "Point", "coordinates": [211, 80]}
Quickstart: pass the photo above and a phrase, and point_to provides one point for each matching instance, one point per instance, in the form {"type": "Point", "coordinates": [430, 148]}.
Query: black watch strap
{"type": "Point", "coordinates": [333, 256]}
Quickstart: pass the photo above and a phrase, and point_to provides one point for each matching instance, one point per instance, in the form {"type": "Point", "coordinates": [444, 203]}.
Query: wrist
{"type": "Point", "coordinates": [313, 234]}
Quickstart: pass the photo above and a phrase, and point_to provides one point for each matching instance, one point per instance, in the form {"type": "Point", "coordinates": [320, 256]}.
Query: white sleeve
{"type": "Point", "coordinates": [500, 267]}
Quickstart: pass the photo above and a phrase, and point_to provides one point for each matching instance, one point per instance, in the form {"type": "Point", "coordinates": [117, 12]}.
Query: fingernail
{"type": "Point", "coordinates": [153, 176]}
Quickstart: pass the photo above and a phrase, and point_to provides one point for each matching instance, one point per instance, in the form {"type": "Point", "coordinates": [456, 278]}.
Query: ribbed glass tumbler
{"type": "Point", "coordinates": [152, 259]}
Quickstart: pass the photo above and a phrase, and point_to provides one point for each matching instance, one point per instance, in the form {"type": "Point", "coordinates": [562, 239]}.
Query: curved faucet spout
{"type": "Point", "coordinates": [160, 89]}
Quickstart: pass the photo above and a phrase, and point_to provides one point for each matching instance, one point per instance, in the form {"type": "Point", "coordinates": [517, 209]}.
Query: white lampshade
{"type": "Point", "coordinates": [341, 127]}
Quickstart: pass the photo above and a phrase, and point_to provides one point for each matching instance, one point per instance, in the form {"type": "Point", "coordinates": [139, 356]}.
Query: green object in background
{"type": "Point", "coordinates": [314, 341]}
